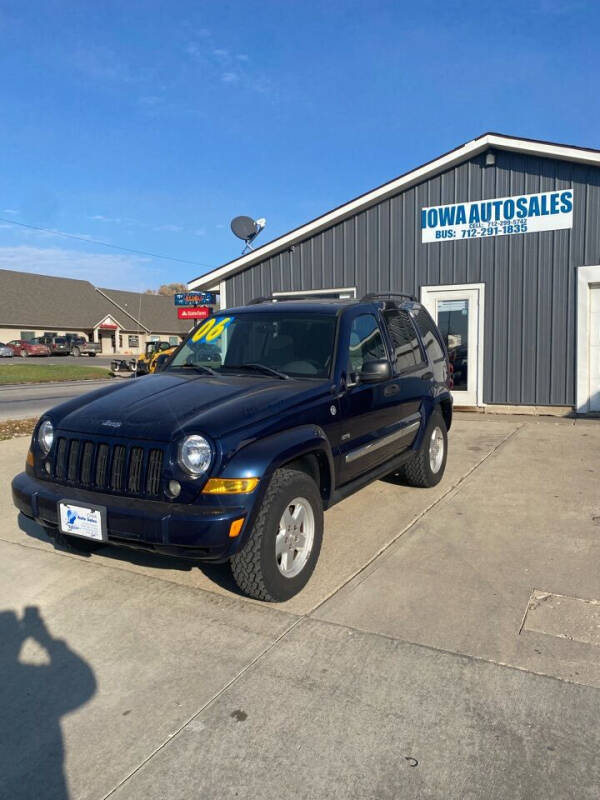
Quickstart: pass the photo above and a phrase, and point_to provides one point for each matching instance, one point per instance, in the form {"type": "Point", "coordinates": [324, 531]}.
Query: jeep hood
{"type": "Point", "coordinates": [158, 407]}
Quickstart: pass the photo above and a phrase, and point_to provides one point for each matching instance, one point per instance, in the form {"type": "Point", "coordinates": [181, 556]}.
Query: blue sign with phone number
{"type": "Point", "coordinates": [527, 213]}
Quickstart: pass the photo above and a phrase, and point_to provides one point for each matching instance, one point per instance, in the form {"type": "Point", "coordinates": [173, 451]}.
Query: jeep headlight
{"type": "Point", "coordinates": [45, 436]}
{"type": "Point", "coordinates": [195, 454]}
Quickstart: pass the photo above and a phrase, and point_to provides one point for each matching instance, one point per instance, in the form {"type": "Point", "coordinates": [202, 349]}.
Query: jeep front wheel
{"type": "Point", "coordinates": [282, 551]}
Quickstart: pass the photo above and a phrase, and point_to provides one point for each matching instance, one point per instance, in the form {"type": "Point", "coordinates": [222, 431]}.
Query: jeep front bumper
{"type": "Point", "coordinates": [176, 529]}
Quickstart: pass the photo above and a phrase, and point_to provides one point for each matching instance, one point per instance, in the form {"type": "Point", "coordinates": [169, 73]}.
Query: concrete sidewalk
{"type": "Point", "coordinates": [418, 663]}
{"type": "Point", "coordinates": [527, 519]}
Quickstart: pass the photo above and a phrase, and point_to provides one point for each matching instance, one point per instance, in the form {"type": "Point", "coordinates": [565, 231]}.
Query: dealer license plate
{"type": "Point", "coordinates": [86, 521]}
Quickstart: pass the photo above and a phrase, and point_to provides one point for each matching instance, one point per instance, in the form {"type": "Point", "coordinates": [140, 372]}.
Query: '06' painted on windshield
{"type": "Point", "coordinates": [212, 329]}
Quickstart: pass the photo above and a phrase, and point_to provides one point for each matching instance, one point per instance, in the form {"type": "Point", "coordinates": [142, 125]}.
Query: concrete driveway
{"type": "Point", "coordinates": [446, 647]}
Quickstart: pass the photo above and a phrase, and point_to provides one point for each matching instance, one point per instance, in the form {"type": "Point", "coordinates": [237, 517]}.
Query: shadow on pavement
{"type": "Point", "coordinates": [219, 574]}
{"type": "Point", "coordinates": [34, 696]}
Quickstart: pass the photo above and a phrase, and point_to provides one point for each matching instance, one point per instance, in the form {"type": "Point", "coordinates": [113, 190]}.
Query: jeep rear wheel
{"type": "Point", "coordinates": [426, 467]}
{"type": "Point", "coordinates": [76, 352]}
{"type": "Point", "coordinates": [284, 545]}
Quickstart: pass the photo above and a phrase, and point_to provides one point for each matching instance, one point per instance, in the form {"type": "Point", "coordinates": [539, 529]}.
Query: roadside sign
{"type": "Point", "coordinates": [199, 312]}
{"type": "Point", "coordinates": [194, 299]}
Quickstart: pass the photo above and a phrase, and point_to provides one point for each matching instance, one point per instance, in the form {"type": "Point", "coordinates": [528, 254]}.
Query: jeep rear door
{"type": "Point", "coordinates": [412, 379]}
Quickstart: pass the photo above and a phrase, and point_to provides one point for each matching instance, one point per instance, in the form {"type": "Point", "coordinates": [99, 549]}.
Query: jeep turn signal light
{"type": "Point", "coordinates": [230, 486]}
{"type": "Point", "coordinates": [235, 527]}
{"type": "Point", "coordinates": [30, 459]}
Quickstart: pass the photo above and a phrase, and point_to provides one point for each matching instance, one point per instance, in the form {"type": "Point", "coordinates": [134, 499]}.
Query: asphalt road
{"type": "Point", "coordinates": [81, 361]}
{"type": "Point", "coordinates": [31, 400]}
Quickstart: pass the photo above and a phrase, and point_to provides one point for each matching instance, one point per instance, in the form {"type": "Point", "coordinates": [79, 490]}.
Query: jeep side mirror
{"type": "Point", "coordinates": [375, 371]}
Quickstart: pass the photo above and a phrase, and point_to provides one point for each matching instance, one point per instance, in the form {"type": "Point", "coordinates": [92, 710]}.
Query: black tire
{"type": "Point", "coordinates": [76, 352]}
{"type": "Point", "coordinates": [418, 471]}
{"type": "Point", "coordinates": [92, 355]}
{"type": "Point", "coordinates": [255, 568]}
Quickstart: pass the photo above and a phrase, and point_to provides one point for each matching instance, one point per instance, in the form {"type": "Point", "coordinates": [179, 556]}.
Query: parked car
{"type": "Point", "coordinates": [5, 351]}
{"type": "Point", "coordinates": [309, 401]}
{"type": "Point", "coordinates": [22, 348]}
{"type": "Point", "coordinates": [58, 345]}
{"type": "Point", "coordinates": [80, 346]}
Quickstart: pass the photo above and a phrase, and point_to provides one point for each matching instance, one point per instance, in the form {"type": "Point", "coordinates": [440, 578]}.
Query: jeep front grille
{"type": "Point", "coordinates": [118, 466]}
{"type": "Point", "coordinates": [134, 470]}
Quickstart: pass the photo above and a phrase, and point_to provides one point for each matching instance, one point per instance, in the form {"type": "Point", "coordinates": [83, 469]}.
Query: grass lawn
{"type": "Point", "coordinates": [42, 373]}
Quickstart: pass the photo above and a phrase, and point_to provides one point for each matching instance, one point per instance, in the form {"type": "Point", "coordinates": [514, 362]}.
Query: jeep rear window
{"type": "Point", "coordinates": [430, 336]}
{"type": "Point", "coordinates": [299, 345]}
{"type": "Point", "coordinates": [407, 350]}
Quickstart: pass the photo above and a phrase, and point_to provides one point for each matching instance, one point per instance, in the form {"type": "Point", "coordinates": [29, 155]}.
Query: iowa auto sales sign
{"type": "Point", "coordinates": [504, 216]}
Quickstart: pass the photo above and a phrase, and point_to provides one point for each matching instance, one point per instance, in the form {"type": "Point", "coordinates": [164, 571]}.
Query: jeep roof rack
{"type": "Point", "coordinates": [310, 296]}
{"type": "Point", "coordinates": [385, 295]}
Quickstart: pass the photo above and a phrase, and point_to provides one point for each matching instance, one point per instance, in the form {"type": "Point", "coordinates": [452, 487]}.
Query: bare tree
{"type": "Point", "coordinates": [168, 289]}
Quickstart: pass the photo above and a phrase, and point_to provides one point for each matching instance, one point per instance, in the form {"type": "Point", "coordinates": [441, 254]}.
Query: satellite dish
{"type": "Point", "coordinates": [247, 229]}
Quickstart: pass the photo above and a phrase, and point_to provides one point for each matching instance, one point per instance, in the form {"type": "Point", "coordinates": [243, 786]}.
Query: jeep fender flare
{"type": "Point", "coordinates": [261, 457]}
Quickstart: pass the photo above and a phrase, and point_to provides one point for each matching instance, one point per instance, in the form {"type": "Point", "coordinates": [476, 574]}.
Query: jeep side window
{"type": "Point", "coordinates": [407, 350]}
{"type": "Point", "coordinates": [432, 343]}
{"type": "Point", "coordinates": [366, 343]}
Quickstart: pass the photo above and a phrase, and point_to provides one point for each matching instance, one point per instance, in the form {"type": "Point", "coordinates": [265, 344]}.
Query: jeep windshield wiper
{"type": "Point", "coordinates": [261, 368]}
{"type": "Point", "coordinates": [198, 367]}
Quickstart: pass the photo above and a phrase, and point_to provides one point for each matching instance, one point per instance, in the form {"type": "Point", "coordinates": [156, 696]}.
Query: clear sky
{"type": "Point", "coordinates": [151, 124]}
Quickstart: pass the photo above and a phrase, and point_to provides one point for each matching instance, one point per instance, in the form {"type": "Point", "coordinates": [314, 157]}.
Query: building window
{"type": "Point", "coordinates": [27, 336]}
{"type": "Point", "coordinates": [174, 340]}
{"type": "Point", "coordinates": [133, 341]}
{"type": "Point", "coordinates": [407, 351]}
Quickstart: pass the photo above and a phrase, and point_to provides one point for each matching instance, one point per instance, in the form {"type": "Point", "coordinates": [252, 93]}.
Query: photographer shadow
{"type": "Point", "coordinates": [42, 680]}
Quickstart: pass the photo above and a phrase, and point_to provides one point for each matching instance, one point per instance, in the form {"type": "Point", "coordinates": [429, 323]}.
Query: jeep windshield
{"type": "Point", "coordinates": [274, 344]}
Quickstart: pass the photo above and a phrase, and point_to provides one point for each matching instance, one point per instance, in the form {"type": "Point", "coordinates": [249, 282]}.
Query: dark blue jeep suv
{"type": "Point", "coordinates": [235, 457]}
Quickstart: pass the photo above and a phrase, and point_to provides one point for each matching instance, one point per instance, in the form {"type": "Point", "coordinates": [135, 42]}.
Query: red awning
{"type": "Point", "coordinates": [108, 327]}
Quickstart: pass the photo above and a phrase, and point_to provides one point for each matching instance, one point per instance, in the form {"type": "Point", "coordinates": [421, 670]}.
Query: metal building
{"type": "Point", "coordinates": [499, 238]}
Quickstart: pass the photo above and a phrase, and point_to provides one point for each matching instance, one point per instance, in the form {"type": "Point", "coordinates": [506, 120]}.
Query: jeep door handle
{"type": "Point", "coordinates": [393, 388]}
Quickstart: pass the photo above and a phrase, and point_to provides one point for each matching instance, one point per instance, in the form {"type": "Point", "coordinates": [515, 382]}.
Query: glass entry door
{"type": "Point", "coordinates": [458, 312]}
{"type": "Point", "coordinates": [594, 348]}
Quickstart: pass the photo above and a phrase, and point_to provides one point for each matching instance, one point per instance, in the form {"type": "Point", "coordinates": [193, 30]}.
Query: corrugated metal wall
{"type": "Point", "coordinates": [530, 279]}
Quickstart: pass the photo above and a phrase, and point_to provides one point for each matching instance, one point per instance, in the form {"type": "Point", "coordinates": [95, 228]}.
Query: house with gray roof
{"type": "Point", "coordinates": [32, 305]}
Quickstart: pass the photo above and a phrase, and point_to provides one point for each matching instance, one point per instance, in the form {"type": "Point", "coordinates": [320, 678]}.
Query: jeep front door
{"type": "Point", "coordinates": [368, 410]}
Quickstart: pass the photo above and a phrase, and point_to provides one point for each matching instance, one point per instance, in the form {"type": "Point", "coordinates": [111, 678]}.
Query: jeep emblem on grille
{"type": "Point", "coordinates": [109, 423]}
